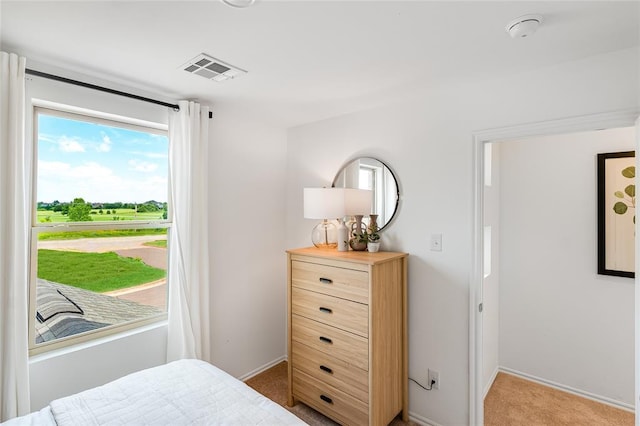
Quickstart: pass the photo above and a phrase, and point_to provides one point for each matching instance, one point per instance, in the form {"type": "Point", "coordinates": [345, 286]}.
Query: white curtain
{"type": "Point", "coordinates": [16, 157]}
{"type": "Point", "coordinates": [189, 325]}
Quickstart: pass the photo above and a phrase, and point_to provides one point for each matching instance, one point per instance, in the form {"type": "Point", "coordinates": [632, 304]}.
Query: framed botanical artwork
{"type": "Point", "coordinates": [616, 213]}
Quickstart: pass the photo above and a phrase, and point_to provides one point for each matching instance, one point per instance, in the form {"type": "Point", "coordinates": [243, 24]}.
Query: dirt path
{"type": "Point", "coordinates": [152, 256]}
{"type": "Point", "coordinates": [100, 245]}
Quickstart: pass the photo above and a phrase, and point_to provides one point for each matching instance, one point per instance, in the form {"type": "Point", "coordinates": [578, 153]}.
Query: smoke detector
{"type": "Point", "coordinates": [211, 68]}
{"type": "Point", "coordinates": [524, 26]}
{"type": "Point", "coordinates": [240, 4]}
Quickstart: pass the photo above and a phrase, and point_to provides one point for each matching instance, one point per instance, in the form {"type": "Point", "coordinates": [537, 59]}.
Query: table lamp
{"type": "Point", "coordinates": [326, 204]}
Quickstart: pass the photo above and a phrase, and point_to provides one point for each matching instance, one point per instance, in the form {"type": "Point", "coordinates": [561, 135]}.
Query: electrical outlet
{"type": "Point", "coordinates": [434, 379]}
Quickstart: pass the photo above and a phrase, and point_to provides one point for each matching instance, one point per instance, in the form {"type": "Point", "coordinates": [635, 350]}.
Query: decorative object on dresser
{"type": "Point", "coordinates": [360, 203]}
{"type": "Point", "coordinates": [358, 241]}
{"type": "Point", "coordinates": [343, 235]}
{"type": "Point", "coordinates": [348, 334]}
{"type": "Point", "coordinates": [373, 245]}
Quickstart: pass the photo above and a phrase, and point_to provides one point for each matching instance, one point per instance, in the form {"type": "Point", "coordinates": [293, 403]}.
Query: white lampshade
{"type": "Point", "coordinates": [358, 201]}
{"type": "Point", "coordinates": [333, 203]}
{"type": "Point", "coordinates": [324, 203]}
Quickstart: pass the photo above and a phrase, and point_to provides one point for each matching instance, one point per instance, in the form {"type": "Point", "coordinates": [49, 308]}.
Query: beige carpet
{"type": "Point", "coordinates": [515, 401]}
{"type": "Point", "coordinates": [273, 384]}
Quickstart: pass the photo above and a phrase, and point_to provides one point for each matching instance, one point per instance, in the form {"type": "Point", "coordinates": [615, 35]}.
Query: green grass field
{"type": "Point", "coordinates": [156, 243]}
{"type": "Point", "coordinates": [44, 216]}
{"type": "Point", "coordinates": [98, 272]}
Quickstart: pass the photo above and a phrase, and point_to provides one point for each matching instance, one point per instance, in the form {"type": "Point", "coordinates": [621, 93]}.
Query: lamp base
{"type": "Point", "coordinates": [325, 235]}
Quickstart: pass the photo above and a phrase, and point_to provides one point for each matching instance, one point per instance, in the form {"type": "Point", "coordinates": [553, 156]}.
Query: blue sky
{"type": "Point", "coordinates": [99, 163]}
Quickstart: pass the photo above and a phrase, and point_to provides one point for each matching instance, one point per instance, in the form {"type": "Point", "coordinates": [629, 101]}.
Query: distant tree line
{"type": "Point", "coordinates": [80, 211]}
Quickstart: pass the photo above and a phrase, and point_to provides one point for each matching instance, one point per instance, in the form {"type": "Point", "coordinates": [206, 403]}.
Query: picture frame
{"type": "Point", "coordinates": [616, 214]}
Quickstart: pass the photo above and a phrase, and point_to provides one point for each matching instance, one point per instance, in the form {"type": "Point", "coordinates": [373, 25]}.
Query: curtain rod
{"type": "Point", "coordinates": [103, 89]}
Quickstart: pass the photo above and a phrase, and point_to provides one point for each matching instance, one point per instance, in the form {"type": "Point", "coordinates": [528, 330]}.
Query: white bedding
{"type": "Point", "coordinates": [37, 418]}
{"type": "Point", "coordinates": [178, 393]}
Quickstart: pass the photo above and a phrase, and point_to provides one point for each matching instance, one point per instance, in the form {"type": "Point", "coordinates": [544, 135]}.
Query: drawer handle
{"type": "Point", "coordinates": [326, 281]}
{"type": "Point", "coordinates": [326, 399]}
{"type": "Point", "coordinates": [325, 310]}
{"type": "Point", "coordinates": [327, 369]}
{"type": "Point", "coordinates": [326, 339]}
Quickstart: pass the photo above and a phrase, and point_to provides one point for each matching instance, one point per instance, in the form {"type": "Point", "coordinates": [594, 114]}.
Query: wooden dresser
{"type": "Point", "coordinates": [347, 316]}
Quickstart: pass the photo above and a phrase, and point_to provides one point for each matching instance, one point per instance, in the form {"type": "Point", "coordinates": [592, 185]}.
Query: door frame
{"type": "Point", "coordinates": [605, 120]}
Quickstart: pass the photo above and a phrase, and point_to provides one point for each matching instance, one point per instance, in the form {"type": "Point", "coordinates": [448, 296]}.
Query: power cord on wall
{"type": "Point", "coordinates": [433, 382]}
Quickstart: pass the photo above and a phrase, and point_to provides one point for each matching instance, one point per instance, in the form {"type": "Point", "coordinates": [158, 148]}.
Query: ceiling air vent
{"type": "Point", "coordinates": [212, 68]}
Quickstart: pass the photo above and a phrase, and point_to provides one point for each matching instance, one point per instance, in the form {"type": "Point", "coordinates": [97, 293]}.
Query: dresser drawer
{"type": "Point", "coordinates": [337, 373]}
{"type": "Point", "coordinates": [344, 314]}
{"type": "Point", "coordinates": [347, 284]}
{"type": "Point", "coordinates": [334, 403]}
{"type": "Point", "coordinates": [334, 342]}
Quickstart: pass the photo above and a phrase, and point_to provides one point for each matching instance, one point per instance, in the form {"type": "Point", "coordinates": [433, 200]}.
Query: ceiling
{"type": "Point", "coordinates": [308, 60]}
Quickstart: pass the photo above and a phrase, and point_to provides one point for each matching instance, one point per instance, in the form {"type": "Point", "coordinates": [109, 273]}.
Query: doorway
{"type": "Point", "coordinates": [478, 337]}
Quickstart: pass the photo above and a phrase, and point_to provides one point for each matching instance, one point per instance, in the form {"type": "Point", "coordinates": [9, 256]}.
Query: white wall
{"type": "Point", "coordinates": [427, 141]}
{"type": "Point", "coordinates": [561, 321]}
{"type": "Point", "coordinates": [248, 262]}
{"type": "Point", "coordinates": [66, 372]}
{"type": "Point", "coordinates": [491, 282]}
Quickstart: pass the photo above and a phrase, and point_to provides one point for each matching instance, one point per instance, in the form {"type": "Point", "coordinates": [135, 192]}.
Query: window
{"type": "Point", "coordinates": [372, 178]}
{"type": "Point", "coordinates": [99, 229]}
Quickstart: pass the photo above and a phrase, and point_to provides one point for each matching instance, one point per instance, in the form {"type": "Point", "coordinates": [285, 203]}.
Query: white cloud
{"type": "Point", "coordinates": [105, 146]}
{"type": "Point", "coordinates": [150, 154]}
{"type": "Point", "coordinates": [52, 168]}
{"type": "Point", "coordinates": [69, 145]}
{"type": "Point", "coordinates": [47, 138]}
{"type": "Point", "coordinates": [64, 182]}
{"type": "Point", "coordinates": [64, 171]}
{"type": "Point", "coordinates": [142, 166]}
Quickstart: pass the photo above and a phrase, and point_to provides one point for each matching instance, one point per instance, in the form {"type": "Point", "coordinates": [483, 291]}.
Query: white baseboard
{"type": "Point", "coordinates": [422, 420]}
{"type": "Point", "coordinates": [262, 368]}
{"type": "Point", "coordinates": [569, 389]}
{"type": "Point", "coordinates": [491, 380]}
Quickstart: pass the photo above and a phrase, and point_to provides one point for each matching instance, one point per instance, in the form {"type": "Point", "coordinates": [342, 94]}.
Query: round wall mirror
{"type": "Point", "coordinates": [372, 174]}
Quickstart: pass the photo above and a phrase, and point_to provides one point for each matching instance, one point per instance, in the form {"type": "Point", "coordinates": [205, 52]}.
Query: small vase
{"type": "Point", "coordinates": [357, 229]}
{"type": "Point", "coordinates": [373, 221]}
{"type": "Point", "coordinates": [343, 236]}
{"type": "Point", "coordinates": [373, 247]}
{"type": "Point", "coordinates": [357, 245]}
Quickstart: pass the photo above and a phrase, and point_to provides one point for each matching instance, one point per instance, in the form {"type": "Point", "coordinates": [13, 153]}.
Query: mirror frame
{"type": "Point", "coordinates": [393, 175]}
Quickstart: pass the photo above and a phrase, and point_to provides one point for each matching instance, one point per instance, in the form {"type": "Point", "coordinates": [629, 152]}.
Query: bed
{"type": "Point", "coordinates": [182, 392]}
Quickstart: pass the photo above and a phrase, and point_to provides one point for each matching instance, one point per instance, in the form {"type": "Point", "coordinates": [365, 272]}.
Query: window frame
{"type": "Point", "coordinates": [96, 117]}
{"type": "Point", "coordinates": [378, 185]}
